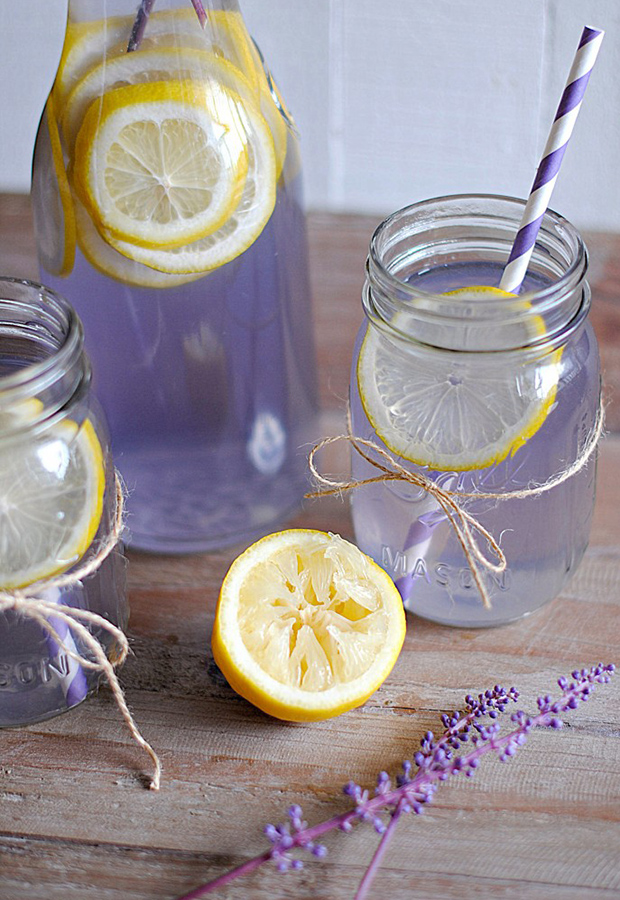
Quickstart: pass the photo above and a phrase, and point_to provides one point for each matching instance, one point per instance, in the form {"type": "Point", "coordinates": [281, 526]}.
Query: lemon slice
{"type": "Point", "coordinates": [51, 500]}
{"type": "Point", "coordinates": [242, 227]}
{"type": "Point", "coordinates": [166, 64]}
{"type": "Point", "coordinates": [17, 415]}
{"type": "Point", "coordinates": [90, 43]}
{"type": "Point", "coordinates": [149, 65]}
{"type": "Point", "coordinates": [306, 625]}
{"type": "Point", "coordinates": [449, 412]}
{"type": "Point", "coordinates": [272, 107]}
{"type": "Point", "coordinates": [52, 203]}
{"type": "Point", "coordinates": [164, 163]}
{"type": "Point", "coordinates": [109, 262]}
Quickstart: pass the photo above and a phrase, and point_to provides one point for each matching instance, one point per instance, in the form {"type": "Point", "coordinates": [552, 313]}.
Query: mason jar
{"type": "Point", "coordinates": [57, 504]}
{"type": "Point", "coordinates": [484, 393]}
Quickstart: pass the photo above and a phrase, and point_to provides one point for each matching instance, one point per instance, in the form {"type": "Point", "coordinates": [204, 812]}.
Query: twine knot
{"type": "Point", "coordinates": [50, 615]}
{"type": "Point", "coordinates": [467, 528]}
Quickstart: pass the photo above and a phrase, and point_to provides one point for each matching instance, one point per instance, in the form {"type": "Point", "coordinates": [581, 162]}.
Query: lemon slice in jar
{"type": "Point", "coordinates": [447, 412]}
{"type": "Point", "coordinates": [243, 226]}
{"type": "Point", "coordinates": [51, 501]}
{"type": "Point", "coordinates": [53, 214]}
{"type": "Point", "coordinates": [162, 164]}
{"type": "Point", "coordinates": [306, 625]}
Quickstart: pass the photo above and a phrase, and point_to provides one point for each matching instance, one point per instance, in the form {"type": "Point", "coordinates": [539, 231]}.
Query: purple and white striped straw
{"type": "Point", "coordinates": [547, 173]}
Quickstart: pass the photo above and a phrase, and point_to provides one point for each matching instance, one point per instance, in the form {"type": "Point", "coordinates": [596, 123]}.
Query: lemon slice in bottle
{"type": "Point", "coordinates": [51, 500]}
{"type": "Point", "coordinates": [150, 65]}
{"type": "Point", "coordinates": [110, 262]}
{"type": "Point", "coordinates": [447, 412]}
{"type": "Point", "coordinates": [307, 626]}
{"type": "Point", "coordinates": [54, 219]}
{"type": "Point", "coordinates": [89, 43]}
{"type": "Point", "coordinates": [242, 227]}
{"type": "Point", "coordinates": [162, 164]}
{"type": "Point", "coordinates": [271, 105]}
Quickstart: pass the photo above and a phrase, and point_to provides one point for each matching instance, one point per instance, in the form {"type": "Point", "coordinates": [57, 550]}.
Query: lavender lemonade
{"type": "Point", "coordinates": [208, 388]}
{"type": "Point", "coordinates": [481, 391]}
{"type": "Point", "coordinates": [188, 266]}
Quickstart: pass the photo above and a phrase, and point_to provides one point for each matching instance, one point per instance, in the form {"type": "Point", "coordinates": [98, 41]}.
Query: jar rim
{"type": "Point", "coordinates": [387, 295]}
{"type": "Point", "coordinates": [63, 350]}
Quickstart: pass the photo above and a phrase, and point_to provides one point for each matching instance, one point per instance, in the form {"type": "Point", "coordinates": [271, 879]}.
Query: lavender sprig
{"type": "Point", "coordinates": [139, 26]}
{"type": "Point", "coordinates": [200, 12]}
{"type": "Point", "coordinates": [435, 761]}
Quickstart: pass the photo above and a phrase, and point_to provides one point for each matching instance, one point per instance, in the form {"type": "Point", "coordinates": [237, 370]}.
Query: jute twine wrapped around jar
{"type": "Point", "coordinates": [464, 524]}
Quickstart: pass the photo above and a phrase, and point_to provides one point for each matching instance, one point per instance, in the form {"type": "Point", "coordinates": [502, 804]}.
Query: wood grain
{"type": "Point", "coordinates": [75, 820]}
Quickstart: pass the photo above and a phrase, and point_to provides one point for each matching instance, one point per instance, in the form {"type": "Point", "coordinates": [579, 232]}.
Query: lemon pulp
{"type": "Point", "coordinates": [306, 625]}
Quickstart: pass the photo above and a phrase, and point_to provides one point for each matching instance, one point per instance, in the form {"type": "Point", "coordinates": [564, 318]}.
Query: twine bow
{"type": "Point", "coordinates": [26, 602]}
{"type": "Point", "coordinates": [464, 524]}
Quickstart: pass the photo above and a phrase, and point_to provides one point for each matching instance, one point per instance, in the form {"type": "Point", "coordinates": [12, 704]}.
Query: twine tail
{"type": "Point", "coordinates": [41, 611]}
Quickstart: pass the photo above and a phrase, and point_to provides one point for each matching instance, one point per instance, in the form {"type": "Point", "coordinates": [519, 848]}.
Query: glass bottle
{"type": "Point", "coordinates": [57, 502]}
{"type": "Point", "coordinates": [483, 393]}
{"type": "Point", "coordinates": [167, 199]}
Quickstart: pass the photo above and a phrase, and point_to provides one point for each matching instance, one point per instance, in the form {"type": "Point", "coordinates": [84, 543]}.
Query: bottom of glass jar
{"type": "Point", "coordinates": [492, 621]}
{"type": "Point", "coordinates": [43, 715]}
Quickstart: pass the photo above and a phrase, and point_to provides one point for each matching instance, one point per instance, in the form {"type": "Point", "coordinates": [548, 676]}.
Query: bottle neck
{"type": "Point", "coordinates": [43, 368]}
{"type": "Point", "coordinates": [94, 10]}
{"type": "Point", "coordinates": [443, 241]}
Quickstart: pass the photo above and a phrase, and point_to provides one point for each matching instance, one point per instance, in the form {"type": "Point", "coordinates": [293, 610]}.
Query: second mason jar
{"type": "Point", "coordinates": [167, 202]}
{"type": "Point", "coordinates": [58, 505]}
{"type": "Point", "coordinates": [481, 391]}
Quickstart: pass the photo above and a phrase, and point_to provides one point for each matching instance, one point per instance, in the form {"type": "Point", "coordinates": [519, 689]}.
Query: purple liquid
{"type": "Point", "coordinates": [544, 537]}
{"type": "Point", "coordinates": [209, 388]}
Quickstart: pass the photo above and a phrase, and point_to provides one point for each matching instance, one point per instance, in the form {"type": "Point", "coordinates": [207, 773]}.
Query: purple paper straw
{"type": "Point", "coordinates": [72, 676]}
{"type": "Point", "coordinates": [547, 173]}
{"type": "Point", "coordinates": [137, 32]}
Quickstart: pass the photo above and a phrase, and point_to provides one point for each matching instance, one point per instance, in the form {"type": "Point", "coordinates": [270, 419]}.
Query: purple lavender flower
{"type": "Point", "coordinates": [436, 761]}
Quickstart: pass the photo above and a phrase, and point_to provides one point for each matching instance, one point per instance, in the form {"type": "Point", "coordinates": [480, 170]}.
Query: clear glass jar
{"type": "Point", "coordinates": [200, 335]}
{"type": "Point", "coordinates": [57, 500]}
{"type": "Point", "coordinates": [481, 392]}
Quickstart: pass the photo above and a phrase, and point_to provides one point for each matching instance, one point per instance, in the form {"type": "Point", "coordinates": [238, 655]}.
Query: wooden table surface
{"type": "Point", "coordinates": [76, 821]}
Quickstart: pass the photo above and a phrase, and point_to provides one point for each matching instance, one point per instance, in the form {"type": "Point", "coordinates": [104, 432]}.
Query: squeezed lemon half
{"type": "Point", "coordinates": [307, 626]}
{"type": "Point", "coordinates": [443, 411]}
{"type": "Point", "coordinates": [51, 500]}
